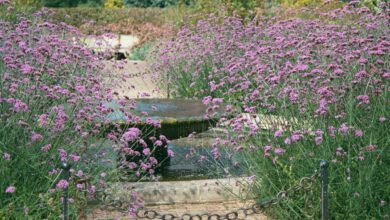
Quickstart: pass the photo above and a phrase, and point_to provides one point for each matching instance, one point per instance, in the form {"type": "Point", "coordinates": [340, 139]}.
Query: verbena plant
{"type": "Point", "coordinates": [302, 91]}
{"type": "Point", "coordinates": [54, 96]}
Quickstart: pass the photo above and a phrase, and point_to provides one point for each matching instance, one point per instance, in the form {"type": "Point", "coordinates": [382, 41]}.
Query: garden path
{"type": "Point", "coordinates": [141, 84]}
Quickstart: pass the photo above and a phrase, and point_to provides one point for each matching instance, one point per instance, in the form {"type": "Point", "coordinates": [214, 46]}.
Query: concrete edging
{"type": "Point", "coordinates": [184, 192]}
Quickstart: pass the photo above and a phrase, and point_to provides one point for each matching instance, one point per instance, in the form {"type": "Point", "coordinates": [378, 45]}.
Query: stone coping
{"type": "Point", "coordinates": [184, 192]}
{"type": "Point", "coordinates": [121, 43]}
{"type": "Point", "coordinates": [168, 111]}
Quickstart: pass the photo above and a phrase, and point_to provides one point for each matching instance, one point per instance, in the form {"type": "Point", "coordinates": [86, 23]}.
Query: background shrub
{"type": "Point", "coordinates": [27, 2]}
{"type": "Point", "coordinates": [142, 52]}
{"type": "Point", "coordinates": [148, 24]}
{"type": "Point", "coordinates": [114, 4]}
{"type": "Point", "coordinates": [299, 3]}
{"type": "Point", "coordinates": [91, 3]}
{"type": "Point", "coordinates": [375, 5]}
{"type": "Point", "coordinates": [241, 7]}
{"type": "Point", "coordinates": [60, 3]}
{"type": "Point", "coordinates": [155, 3]}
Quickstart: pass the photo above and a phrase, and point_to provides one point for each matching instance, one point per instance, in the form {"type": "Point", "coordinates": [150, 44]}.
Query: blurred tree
{"type": "Point", "coordinates": [243, 8]}
{"type": "Point", "coordinates": [156, 3]}
{"type": "Point", "coordinates": [90, 3]}
{"type": "Point", "coordinates": [27, 2]}
{"type": "Point", "coordinates": [60, 3]}
{"type": "Point", "coordinates": [114, 4]}
{"type": "Point", "coordinates": [374, 4]}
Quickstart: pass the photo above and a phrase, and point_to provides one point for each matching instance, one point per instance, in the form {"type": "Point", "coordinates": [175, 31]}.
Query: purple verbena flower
{"type": "Point", "coordinates": [131, 135]}
{"type": "Point", "coordinates": [279, 151]}
{"type": "Point", "coordinates": [10, 189]}
{"type": "Point", "coordinates": [62, 184]}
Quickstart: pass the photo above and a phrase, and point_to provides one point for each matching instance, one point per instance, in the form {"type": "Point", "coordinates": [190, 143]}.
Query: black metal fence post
{"type": "Point", "coordinates": [66, 167]}
{"type": "Point", "coordinates": [168, 87]}
{"type": "Point", "coordinates": [324, 190]}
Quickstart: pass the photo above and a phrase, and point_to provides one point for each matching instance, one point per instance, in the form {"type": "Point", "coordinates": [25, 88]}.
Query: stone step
{"type": "Point", "coordinates": [138, 81]}
{"type": "Point", "coordinates": [183, 192]}
{"type": "Point", "coordinates": [121, 43]}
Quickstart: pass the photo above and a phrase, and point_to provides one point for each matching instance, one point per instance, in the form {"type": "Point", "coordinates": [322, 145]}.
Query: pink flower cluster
{"type": "Point", "coordinates": [296, 91]}
{"type": "Point", "coordinates": [53, 102]}
{"type": "Point", "coordinates": [312, 67]}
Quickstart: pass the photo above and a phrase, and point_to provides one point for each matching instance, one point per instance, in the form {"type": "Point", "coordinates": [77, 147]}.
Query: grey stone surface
{"type": "Point", "coordinates": [101, 155]}
{"type": "Point", "coordinates": [168, 111]}
{"type": "Point", "coordinates": [143, 85]}
{"type": "Point", "coordinates": [121, 43]}
{"type": "Point", "coordinates": [175, 192]}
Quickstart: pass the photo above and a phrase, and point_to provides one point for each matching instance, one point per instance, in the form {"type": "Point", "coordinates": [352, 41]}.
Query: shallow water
{"type": "Point", "coordinates": [186, 165]}
{"type": "Point", "coordinates": [166, 110]}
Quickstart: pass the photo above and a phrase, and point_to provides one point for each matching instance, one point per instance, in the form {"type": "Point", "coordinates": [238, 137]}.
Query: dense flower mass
{"type": "Point", "coordinates": [300, 91]}
{"type": "Point", "coordinates": [277, 64]}
{"type": "Point", "coordinates": [53, 108]}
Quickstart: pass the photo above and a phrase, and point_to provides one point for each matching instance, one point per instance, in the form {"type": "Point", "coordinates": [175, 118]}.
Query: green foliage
{"type": "Point", "coordinates": [141, 53]}
{"type": "Point", "coordinates": [105, 17]}
{"type": "Point", "coordinates": [203, 8]}
{"type": "Point", "coordinates": [242, 7]}
{"type": "Point", "coordinates": [147, 24]}
{"type": "Point", "coordinates": [60, 3]}
{"type": "Point", "coordinates": [91, 3]}
{"type": "Point", "coordinates": [17, 7]}
{"type": "Point", "coordinates": [114, 4]}
{"type": "Point", "coordinates": [299, 3]}
{"type": "Point", "coordinates": [27, 2]}
{"type": "Point", "coordinates": [154, 3]}
{"type": "Point", "coordinates": [374, 4]}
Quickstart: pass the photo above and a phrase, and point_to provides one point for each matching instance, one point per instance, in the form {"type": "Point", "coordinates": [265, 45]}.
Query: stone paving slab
{"type": "Point", "coordinates": [121, 43]}
{"type": "Point", "coordinates": [136, 86]}
{"type": "Point", "coordinates": [221, 208]}
{"type": "Point", "coordinates": [183, 192]}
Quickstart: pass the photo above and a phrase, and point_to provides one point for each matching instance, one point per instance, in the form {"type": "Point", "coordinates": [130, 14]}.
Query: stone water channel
{"type": "Point", "coordinates": [185, 185]}
{"type": "Point", "coordinates": [179, 118]}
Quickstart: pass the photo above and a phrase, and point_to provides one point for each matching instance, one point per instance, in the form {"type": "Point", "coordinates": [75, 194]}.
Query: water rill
{"type": "Point", "coordinates": [177, 118]}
